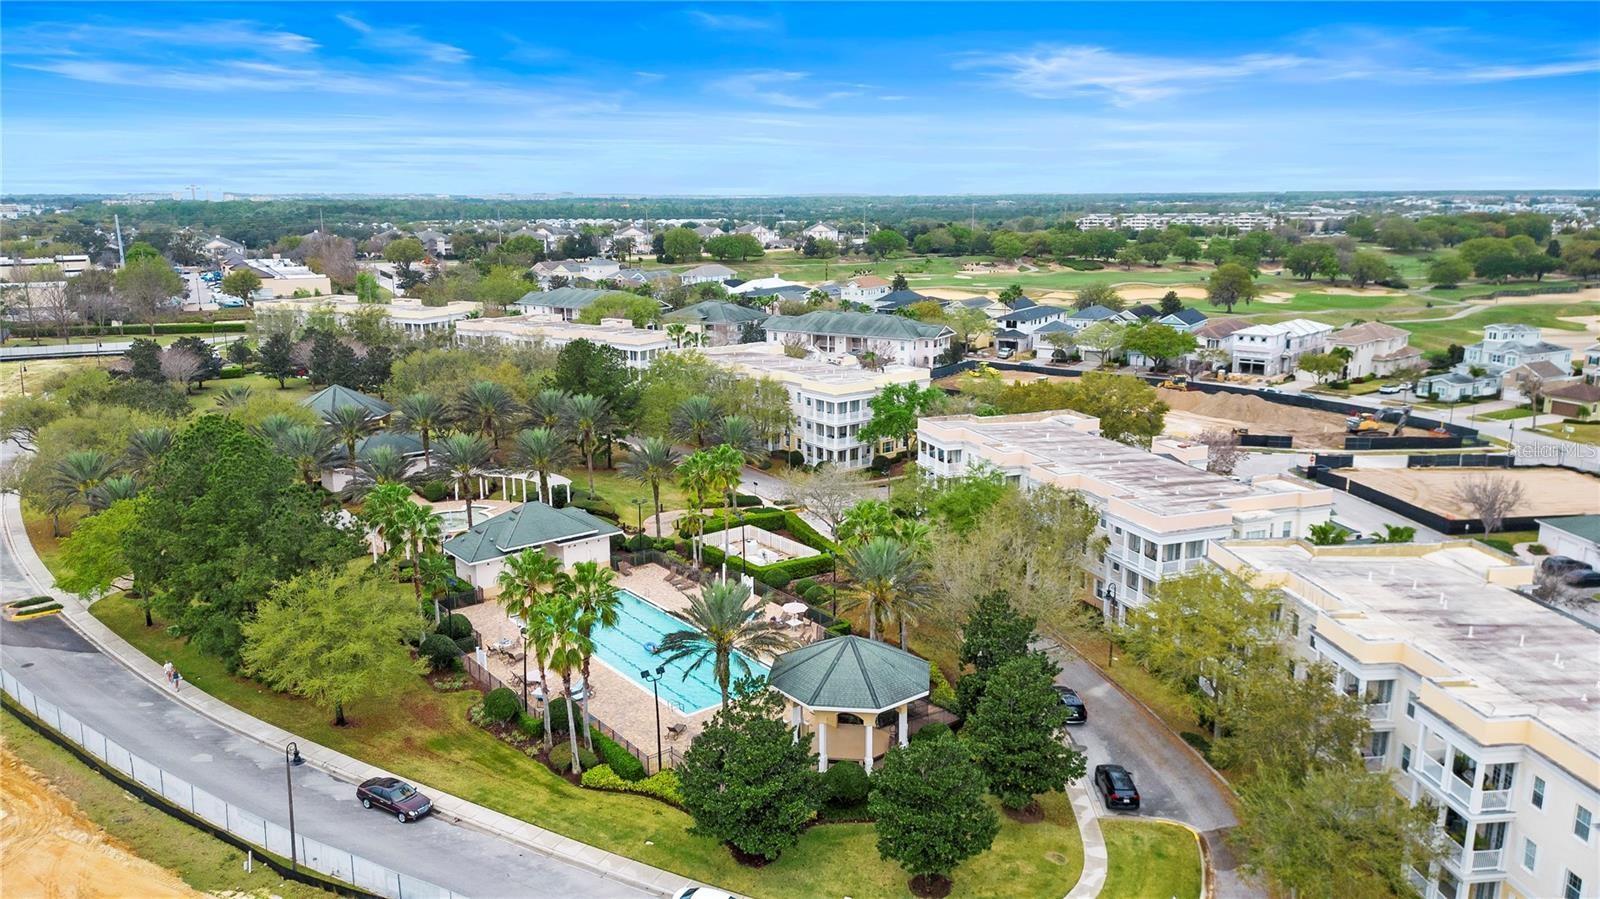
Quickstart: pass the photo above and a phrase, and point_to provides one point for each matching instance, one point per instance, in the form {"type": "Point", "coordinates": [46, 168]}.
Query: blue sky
{"type": "Point", "coordinates": [728, 98]}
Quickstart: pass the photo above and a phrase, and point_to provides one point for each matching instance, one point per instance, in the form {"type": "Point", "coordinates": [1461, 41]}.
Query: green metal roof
{"type": "Point", "coordinates": [400, 441]}
{"type": "Point", "coordinates": [851, 673]}
{"type": "Point", "coordinates": [716, 312]}
{"type": "Point", "coordinates": [1584, 527]}
{"type": "Point", "coordinates": [327, 399]}
{"type": "Point", "coordinates": [857, 324]}
{"type": "Point", "coordinates": [528, 525]}
{"type": "Point", "coordinates": [564, 297]}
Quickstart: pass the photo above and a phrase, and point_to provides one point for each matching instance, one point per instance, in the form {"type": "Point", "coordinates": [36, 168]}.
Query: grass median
{"type": "Point", "coordinates": [1150, 860]}
{"type": "Point", "coordinates": [423, 734]}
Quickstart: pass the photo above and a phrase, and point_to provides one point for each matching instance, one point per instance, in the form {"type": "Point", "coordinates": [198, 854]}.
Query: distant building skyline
{"type": "Point", "coordinates": [750, 100]}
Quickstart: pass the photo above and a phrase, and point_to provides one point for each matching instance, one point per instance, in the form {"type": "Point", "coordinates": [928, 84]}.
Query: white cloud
{"type": "Point", "coordinates": [1124, 78]}
{"type": "Point", "coordinates": [402, 41]}
{"type": "Point", "coordinates": [69, 39]}
{"type": "Point", "coordinates": [732, 22]}
{"type": "Point", "coordinates": [648, 77]}
{"type": "Point", "coordinates": [1544, 70]}
{"type": "Point", "coordinates": [766, 86]}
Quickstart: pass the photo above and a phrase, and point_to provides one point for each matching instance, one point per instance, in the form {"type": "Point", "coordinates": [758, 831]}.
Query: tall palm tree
{"type": "Point", "coordinates": [309, 448]}
{"type": "Point", "coordinates": [543, 450]}
{"type": "Point", "coordinates": [588, 416]}
{"type": "Point", "coordinates": [727, 620]}
{"type": "Point", "coordinates": [676, 331]}
{"type": "Point", "coordinates": [889, 576]}
{"type": "Point", "coordinates": [461, 458]}
{"type": "Point", "coordinates": [382, 511]}
{"type": "Point", "coordinates": [233, 398]}
{"type": "Point", "coordinates": [548, 408]}
{"type": "Point", "coordinates": [726, 467]}
{"type": "Point", "coordinates": [146, 446]}
{"type": "Point", "coordinates": [79, 474]}
{"type": "Point", "coordinates": [272, 426]}
{"type": "Point", "coordinates": [595, 590]}
{"type": "Point", "coordinates": [739, 432]}
{"type": "Point", "coordinates": [695, 475]}
{"type": "Point", "coordinates": [539, 641]}
{"type": "Point", "coordinates": [419, 529]}
{"type": "Point", "coordinates": [488, 408]}
{"type": "Point", "coordinates": [114, 489]}
{"type": "Point", "coordinates": [348, 424]}
{"type": "Point", "coordinates": [568, 646]}
{"type": "Point", "coordinates": [424, 413]}
{"type": "Point", "coordinates": [434, 570]}
{"type": "Point", "coordinates": [524, 582]}
{"type": "Point", "coordinates": [381, 465]}
{"type": "Point", "coordinates": [651, 462]}
{"type": "Point", "coordinates": [694, 420]}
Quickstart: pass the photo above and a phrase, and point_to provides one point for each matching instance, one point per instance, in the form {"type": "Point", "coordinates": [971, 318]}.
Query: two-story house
{"type": "Point", "coordinates": [1484, 365]}
{"type": "Point", "coordinates": [864, 289]}
{"type": "Point", "coordinates": [888, 337]}
{"type": "Point", "coordinates": [1017, 329]}
{"type": "Point", "coordinates": [720, 322]}
{"type": "Point", "coordinates": [822, 231]}
{"type": "Point", "coordinates": [1275, 349]}
{"type": "Point", "coordinates": [1375, 349]}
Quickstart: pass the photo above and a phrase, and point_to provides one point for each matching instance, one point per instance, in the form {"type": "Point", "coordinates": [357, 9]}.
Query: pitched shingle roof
{"type": "Point", "coordinates": [1366, 332]}
{"type": "Point", "coordinates": [1094, 313]}
{"type": "Point", "coordinates": [716, 312]}
{"type": "Point", "coordinates": [562, 297]}
{"type": "Point", "coordinates": [899, 299]}
{"type": "Point", "coordinates": [1189, 316]}
{"type": "Point", "coordinates": [856, 324]}
{"type": "Point", "coordinates": [1033, 313]}
{"type": "Point", "coordinates": [528, 525]}
{"type": "Point", "coordinates": [851, 673]}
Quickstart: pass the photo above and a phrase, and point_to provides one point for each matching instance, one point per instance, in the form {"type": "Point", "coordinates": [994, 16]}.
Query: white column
{"type": "Point", "coordinates": [866, 754]}
{"type": "Point", "coordinates": [797, 718]}
{"type": "Point", "coordinates": [903, 738]}
{"type": "Point", "coordinates": [822, 744]}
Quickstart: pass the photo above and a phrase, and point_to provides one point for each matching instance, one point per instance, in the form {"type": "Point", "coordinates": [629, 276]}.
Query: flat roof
{"type": "Point", "coordinates": [1062, 442]}
{"type": "Point", "coordinates": [399, 310]}
{"type": "Point", "coordinates": [1439, 599]}
{"type": "Point", "coordinates": [813, 372]}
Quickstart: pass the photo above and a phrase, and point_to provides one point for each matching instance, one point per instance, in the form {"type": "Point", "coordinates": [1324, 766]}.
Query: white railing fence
{"type": "Point", "coordinates": [248, 826]}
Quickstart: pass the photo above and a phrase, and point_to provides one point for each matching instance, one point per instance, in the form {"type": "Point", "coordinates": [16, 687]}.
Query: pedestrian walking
{"type": "Point", "coordinates": [177, 680]}
{"type": "Point", "coordinates": [170, 671]}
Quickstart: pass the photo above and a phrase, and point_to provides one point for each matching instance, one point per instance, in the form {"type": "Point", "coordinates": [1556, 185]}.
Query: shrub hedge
{"type": "Point", "coordinates": [30, 601]}
{"type": "Point", "coordinates": [933, 730]}
{"type": "Point", "coordinates": [501, 705]}
{"type": "Point", "coordinates": [435, 491]}
{"type": "Point", "coordinates": [441, 652]}
{"type": "Point", "coordinates": [455, 626]}
{"type": "Point", "coordinates": [617, 758]}
{"type": "Point", "coordinates": [940, 693]}
{"type": "Point", "coordinates": [804, 585]}
{"type": "Point", "coordinates": [845, 784]}
{"type": "Point", "coordinates": [662, 785]}
{"type": "Point", "coordinates": [561, 756]}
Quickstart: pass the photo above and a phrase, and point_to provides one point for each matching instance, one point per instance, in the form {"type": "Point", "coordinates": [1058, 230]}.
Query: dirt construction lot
{"type": "Point", "coordinates": [1194, 412]}
{"type": "Point", "coordinates": [1545, 491]}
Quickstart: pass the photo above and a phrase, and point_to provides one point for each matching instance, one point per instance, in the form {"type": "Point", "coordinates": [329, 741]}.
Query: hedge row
{"type": "Point", "coordinates": [771, 520]}
{"type": "Point", "coordinates": [130, 332]}
{"type": "Point", "coordinates": [662, 785]}
{"type": "Point", "coordinates": [30, 601]}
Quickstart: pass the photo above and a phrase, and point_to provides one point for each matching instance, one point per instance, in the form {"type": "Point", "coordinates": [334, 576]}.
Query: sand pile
{"type": "Point", "coordinates": [1194, 411]}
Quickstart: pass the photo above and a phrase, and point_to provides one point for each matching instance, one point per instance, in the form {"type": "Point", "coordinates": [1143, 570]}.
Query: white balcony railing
{"type": "Point", "coordinates": [1373, 762]}
{"type": "Point", "coordinates": [1495, 800]}
{"type": "Point", "coordinates": [1486, 860]}
{"type": "Point", "coordinates": [1460, 789]}
{"type": "Point", "coordinates": [1432, 770]}
{"type": "Point", "coordinates": [1378, 711]}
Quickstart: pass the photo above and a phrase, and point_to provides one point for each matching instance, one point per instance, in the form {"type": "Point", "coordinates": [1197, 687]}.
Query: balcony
{"type": "Point", "coordinates": [1373, 762]}
{"type": "Point", "coordinates": [1495, 800]}
{"type": "Point", "coordinates": [1486, 861]}
{"type": "Point", "coordinates": [1378, 711]}
{"type": "Point", "coordinates": [1459, 789]}
{"type": "Point", "coordinates": [1432, 770]}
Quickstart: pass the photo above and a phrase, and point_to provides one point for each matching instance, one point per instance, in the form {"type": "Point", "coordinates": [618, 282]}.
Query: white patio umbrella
{"type": "Point", "coordinates": [795, 608]}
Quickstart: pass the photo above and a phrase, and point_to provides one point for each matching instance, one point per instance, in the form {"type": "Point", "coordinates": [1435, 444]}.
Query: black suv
{"type": "Point", "coordinates": [1077, 712]}
{"type": "Point", "coordinates": [1116, 787]}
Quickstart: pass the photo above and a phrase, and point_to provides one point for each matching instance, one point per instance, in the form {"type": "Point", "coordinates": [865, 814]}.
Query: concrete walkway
{"type": "Point", "coordinates": [1095, 865]}
{"type": "Point", "coordinates": [587, 869]}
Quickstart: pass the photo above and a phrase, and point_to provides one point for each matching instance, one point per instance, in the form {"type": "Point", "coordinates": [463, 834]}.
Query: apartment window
{"type": "Point", "coordinates": [1411, 708]}
{"type": "Point", "coordinates": [1405, 758]}
{"type": "Point", "coordinates": [1580, 824]}
{"type": "Point", "coordinates": [1195, 548]}
{"type": "Point", "coordinates": [1530, 855]}
{"type": "Point", "coordinates": [1150, 550]}
{"type": "Point", "coordinates": [1538, 792]}
{"type": "Point", "coordinates": [1378, 745]}
{"type": "Point", "coordinates": [1134, 542]}
{"type": "Point", "coordinates": [1171, 552]}
{"type": "Point", "coordinates": [1574, 887]}
{"type": "Point", "coordinates": [1488, 889]}
{"type": "Point", "coordinates": [1294, 624]}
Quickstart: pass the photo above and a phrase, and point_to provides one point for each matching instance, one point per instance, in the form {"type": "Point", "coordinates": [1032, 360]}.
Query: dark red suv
{"type": "Point", "coordinates": [394, 795]}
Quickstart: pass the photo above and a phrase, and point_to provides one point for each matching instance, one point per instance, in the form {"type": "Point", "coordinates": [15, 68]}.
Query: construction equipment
{"type": "Point", "coordinates": [1176, 382]}
{"type": "Point", "coordinates": [1366, 421]}
{"type": "Point", "coordinates": [1400, 422]}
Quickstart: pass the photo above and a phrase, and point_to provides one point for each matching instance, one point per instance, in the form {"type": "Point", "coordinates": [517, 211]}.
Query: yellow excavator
{"type": "Point", "coordinates": [1176, 382]}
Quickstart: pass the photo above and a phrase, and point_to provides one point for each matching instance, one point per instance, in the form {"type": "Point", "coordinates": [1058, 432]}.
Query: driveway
{"type": "Point", "coordinates": [1173, 781]}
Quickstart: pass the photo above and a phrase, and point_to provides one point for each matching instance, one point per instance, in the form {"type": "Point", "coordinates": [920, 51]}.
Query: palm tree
{"type": "Point", "coordinates": [348, 424]}
{"type": "Point", "coordinates": [419, 529]}
{"type": "Point", "coordinates": [488, 407]}
{"type": "Point", "coordinates": [524, 581]}
{"type": "Point", "coordinates": [595, 590]}
{"type": "Point", "coordinates": [726, 467]}
{"type": "Point", "coordinates": [145, 449]}
{"type": "Point", "coordinates": [889, 576]}
{"type": "Point", "coordinates": [676, 331]}
{"type": "Point", "coordinates": [695, 475]}
{"type": "Point", "coordinates": [424, 413]}
{"type": "Point", "coordinates": [539, 637]}
{"type": "Point", "coordinates": [549, 408]}
{"type": "Point", "coordinates": [694, 420]}
{"type": "Point", "coordinates": [233, 398]}
{"type": "Point", "coordinates": [434, 570]}
{"type": "Point", "coordinates": [272, 426]}
{"type": "Point", "coordinates": [568, 646]}
{"type": "Point", "coordinates": [726, 621]}
{"type": "Point", "coordinates": [543, 450]}
{"type": "Point", "coordinates": [461, 458]}
{"type": "Point", "coordinates": [651, 462]}
{"type": "Point", "coordinates": [382, 513]}
{"type": "Point", "coordinates": [308, 448]}
{"type": "Point", "coordinates": [739, 432]}
{"type": "Point", "coordinates": [589, 417]}
{"type": "Point", "coordinates": [114, 489]}
{"type": "Point", "coordinates": [381, 465]}
{"type": "Point", "coordinates": [79, 474]}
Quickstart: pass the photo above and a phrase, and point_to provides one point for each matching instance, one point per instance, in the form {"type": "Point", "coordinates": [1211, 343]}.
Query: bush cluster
{"type": "Point", "coordinates": [662, 785]}
{"type": "Point", "coordinates": [501, 705]}
{"type": "Point", "coordinates": [435, 491]}
{"type": "Point", "coordinates": [455, 626]}
{"type": "Point", "coordinates": [804, 585]}
{"type": "Point", "coordinates": [845, 784]}
{"type": "Point", "coordinates": [933, 730]}
{"type": "Point", "coordinates": [561, 756]}
{"type": "Point", "coordinates": [940, 693]}
{"type": "Point", "coordinates": [618, 758]}
{"type": "Point", "coordinates": [441, 652]}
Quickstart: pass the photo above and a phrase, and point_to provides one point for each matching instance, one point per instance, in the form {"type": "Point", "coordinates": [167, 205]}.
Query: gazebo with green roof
{"type": "Point", "coordinates": [324, 401]}
{"type": "Point", "coordinates": [853, 693]}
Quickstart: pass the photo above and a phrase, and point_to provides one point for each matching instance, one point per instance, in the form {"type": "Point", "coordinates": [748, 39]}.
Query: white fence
{"type": "Point", "coordinates": [248, 826]}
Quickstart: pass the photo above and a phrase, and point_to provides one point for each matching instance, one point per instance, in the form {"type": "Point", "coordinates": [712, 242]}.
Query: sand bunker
{"type": "Point", "coordinates": [50, 848]}
{"type": "Point", "coordinates": [1545, 491]}
{"type": "Point", "coordinates": [1139, 291]}
{"type": "Point", "coordinates": [1275, 298]}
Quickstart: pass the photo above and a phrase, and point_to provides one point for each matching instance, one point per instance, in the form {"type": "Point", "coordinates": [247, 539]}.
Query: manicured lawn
{"type": "Point", "coordinates": [620, 491]}
{"type": "Point", "coordinates": [1438, 335]}
{"type": "Point", "coordinates": [14, 381]}
{"type": "Point", "coordinates": [1582, 431]}
{"type": "Point", "coordinates": [1150, 860]}
{"type": "Point", "coordinates": [1354, 389]}
{"type": "Point", "coordinates": [1463, 291]}
{"type": "Point", "coordinates": [424, 734]}
{"type": "Point", "coordinates": [295, 389]}
{"type": "Point", "coordinates": [1505, 414]}
{"type": "Point", "coordinates": [199, 859]}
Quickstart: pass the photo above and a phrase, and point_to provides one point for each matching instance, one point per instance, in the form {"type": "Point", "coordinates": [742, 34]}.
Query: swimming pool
{"type": "Point", "coordinates": [623, 648]}
{"type": "Point", "coordinates": [455, 520]}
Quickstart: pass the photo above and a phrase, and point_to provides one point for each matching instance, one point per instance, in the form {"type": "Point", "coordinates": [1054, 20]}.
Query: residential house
{"type": "Point", "coordinates": [564, 303]}
{"type": "Point", "coordinates": [1158, 508]}
{"type": "Point", "coordinates": [762, 233]}
{"type": "Point", "coordinates": [1275, 349]}
{"type": "Point", "coordinates": [1591, 364]}
{"type": "Point", "coordinates": [1077, 320]}
{"type": "Point", "coordinates": [637, 239]}
{"type": "Point", "coordinates": [1573, 536]}
{"type": "Point", "coordinates": [411, 317]}
{"type": "Point", "coordinates": [822, 231]}
{"type": "Point", "coordinates": [639, 277]}
{"type": "Point", "coordinates": [890, 337]}
{"type": "Point", "coordinates": [219, 246]}
{"type": "Point", "coordinates": [1484, 364]}
{"type": "Point", "coordinates": [437, 243]}
{"type": "Point", "coordinates": [638, 347]}
{"type": "Point", "coordinates": [1187, 319]}
{"type": "Point", "coordinates": [1576, 401]}
{"type": "Point", "coordinates": [830, 396]}
{"type": "Point", "coordinates": [571, 535]}
{"type": "Point", "coordinates": [1480, 701]}
{"type": "Point", "coordinates": [1375, 349]}
{"type": "Point", "coordinates": [895, 300]}
{"type": "Point", "coordinates": [1017, 329]}
{"type": "Point", "coordinates": [721, 323]}
{"type": "Point", "coordinates": [753, 284]}
{"type": "Point", "coordinates": [706, 232]}
{"type": "Point", "coordinates": [709, 273]}
{"type": "Point", "coordinates": [864, 289]}
{"type": "Point", "coordinates": [1144, 312]}
{"type": "Point", "coordinates": [770, 298]}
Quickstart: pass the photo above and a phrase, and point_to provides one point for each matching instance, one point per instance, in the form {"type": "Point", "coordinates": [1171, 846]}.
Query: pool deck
{"type": "Point", "coordinates": [623, 705]}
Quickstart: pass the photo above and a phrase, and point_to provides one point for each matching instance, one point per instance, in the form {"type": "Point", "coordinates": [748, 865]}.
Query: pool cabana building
{"type": "Point", "coordinates": [852, 693]}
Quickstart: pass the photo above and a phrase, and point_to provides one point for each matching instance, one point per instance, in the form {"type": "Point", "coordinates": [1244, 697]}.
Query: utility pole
{"type": "Point", "coordinates": [122, 259]}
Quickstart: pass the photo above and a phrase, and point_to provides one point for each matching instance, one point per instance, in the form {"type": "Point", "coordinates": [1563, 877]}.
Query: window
{"type": "Point", "coordinates": [1538, 792]}
{"type": "Point", "coordinates": [1411, 706]}
{"type": "Point", "coordinates": [1405, 758]}
{"type": "Point", "coordinates": [1530, 855]}
{"type": "Point", "coordinates": [1580, 824]}
{"type": "Point", "coordinates": [1574, 887]}
{"type": "Point", "coordinates": [1378, 745]}
{"type": "Point", "coordinates": [1195, 548]}
{"type": "Point", "coordinates": [1294, 624]}
{"type": "Point", "coordinates": [1171, 552]}
{"type": "Point", "coordinates": [1288, 529]}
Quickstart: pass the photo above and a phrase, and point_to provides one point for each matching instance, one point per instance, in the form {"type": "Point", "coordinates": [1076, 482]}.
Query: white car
{"type": "Point", "coordinates": [1388, 389]}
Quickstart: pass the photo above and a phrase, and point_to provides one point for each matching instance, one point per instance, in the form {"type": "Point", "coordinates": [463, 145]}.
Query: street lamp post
{"type": "Point", "coordinates": [833, 586]}
{"type": "Point", "coordinates": [655, 688]}
{"type": "Point", "coordinates": [291, 761]}
{"type": "Point", "coordinates": [638, 508]}
{"type": "Point", "coordinates": [744, 549]}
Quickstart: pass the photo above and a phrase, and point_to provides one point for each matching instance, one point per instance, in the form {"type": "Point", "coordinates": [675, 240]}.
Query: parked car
{"type": "Point", "coordinates": [1556, 566]}
{"type": "Point", "coordinates": [1389, 389]}
{"type": "Point", "coordinates": [392, 794]}
{"type": "Point", "coordinates": [702, 893]}
{"type": "Point", "coordinates": [1581, 577]}
{"type": "Point", "coordinates": [1116, 787]}
{"type": "Point", "coordinates": [1077, 712]}
{"type": "Point", "coordinates": [1004, 353]}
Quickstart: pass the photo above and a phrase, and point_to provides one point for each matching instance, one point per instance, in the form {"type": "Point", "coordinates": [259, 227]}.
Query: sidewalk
{"type": "Point", "coordinates": [1095, 864]}
{"type": "Point", "coordinates": [336, 764]}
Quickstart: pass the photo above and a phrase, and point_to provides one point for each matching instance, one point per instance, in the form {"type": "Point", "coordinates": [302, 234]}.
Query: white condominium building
{"type": "Point", "coordinates": [284, 277]}
{"type": "Point", "coordinates": [1483, 703]}
{"type": "Point", "coordinates": [1157, 509]}
{"type": "Point", "coordinates": [829, 397]}
{"type": "Point", "coordinates": [638, 346]}
{"type": "Point", "coordinates": [410, 316]}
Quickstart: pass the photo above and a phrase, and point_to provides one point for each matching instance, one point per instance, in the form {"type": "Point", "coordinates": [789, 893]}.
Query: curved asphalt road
{"type": "Point", "coordinates": [52, 660]}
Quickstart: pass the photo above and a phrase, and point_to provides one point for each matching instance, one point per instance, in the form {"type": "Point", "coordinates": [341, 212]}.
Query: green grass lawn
{"type": "Point", "coordinates": [1505, 414]}
{"type": "Point", "coordinates": [1438, 335]}
{"type": "Point", "coordinates": [1463, 291]}
{"type": "Point", "coordinates": [202, 861]}
{"type": "Point", "coordinates": [420, 733]}
{"type": "Point", "coordinates": [295, 389]}
{"type": "Point", "coordinates": [1582, 431]}
{"type": "Point", "coordinates": [620, 491]}
{"type": "Point", "coordinates": [1150, 860]}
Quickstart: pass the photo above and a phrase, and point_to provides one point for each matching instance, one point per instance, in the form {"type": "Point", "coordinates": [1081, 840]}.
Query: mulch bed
{"type": "Point", "coordinates": [931, 886]}
{"type": "Point", "coordinates": [1032, 813]}
{"type": "Point", "coordinates": [749, 860]}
